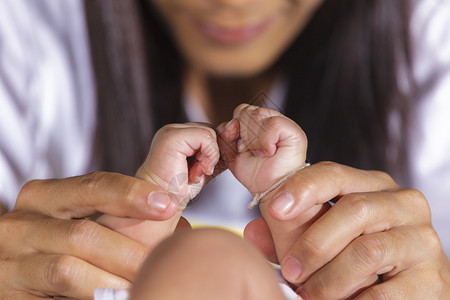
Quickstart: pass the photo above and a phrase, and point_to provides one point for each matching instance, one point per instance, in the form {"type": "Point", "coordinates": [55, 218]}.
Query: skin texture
{"type": "Point", "coordinates": [48, 249]}
{"type": "Point", "coordinates": [206, 264]}
{"type": "Point", "coordinates": [260, 146]}
{"type": "Point", "coordinates": [376, 228]}
{"type": "Point", "coordinates": [167, 167]}
{"type": "Point", "coordinates": [287, 19]}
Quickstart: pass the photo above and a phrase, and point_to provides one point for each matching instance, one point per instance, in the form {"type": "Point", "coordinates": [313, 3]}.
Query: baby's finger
{"type": "Point", "coordinates": [229, 131]}
{"type": "Point", "coordinates": [227, 135]}
{"type": "Point", "coordinates": [241, 109]}
{"type": "Point", "coordinates": [254, 126]}
{"type": "Point", "coordinates": [172, 145]}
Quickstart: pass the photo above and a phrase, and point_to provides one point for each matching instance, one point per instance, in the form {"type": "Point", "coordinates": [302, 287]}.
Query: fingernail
{"type": "Point", "coordinates": [197, 179]}
{"type": "Point", "coordinates": [303, 295]}
{"type": "Point", "coordinates": [227, 132]}
{"type": "Point", "coordinates": [159, 201]}
{"type": "Point", "coordinates": [229, 125]}
{"type": "Point", "coordinates": [211, 170]}
{"type": "Point", "coordinates": [291, 269]}
{"type": "Point", "coordinates": [240, 146]}
{"type": "Point", "coordinates": [283, 203]}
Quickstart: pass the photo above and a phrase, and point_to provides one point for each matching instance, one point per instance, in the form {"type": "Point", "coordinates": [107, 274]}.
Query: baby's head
{"type": "Point", "coordinates": [206, 264]}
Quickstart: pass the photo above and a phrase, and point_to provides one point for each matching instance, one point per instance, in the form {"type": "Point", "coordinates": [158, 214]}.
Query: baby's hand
{"type": "Point", "coordinates": [261, 146]}
{"type": "Point", "coordinates": [180, 157]}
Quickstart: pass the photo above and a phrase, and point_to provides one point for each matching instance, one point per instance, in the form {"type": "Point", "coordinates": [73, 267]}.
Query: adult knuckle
{"type": "Point", "coordinates": [370, 251]}
{"type": "Point", "coordinates": [319, 287]}
{"type": "Point", "coordinates": [431, 240]}
{"type": "Point", "coordinates": [383, 177]}
{"type": "Point", "coordinates": [418, 198]}
{"type": "Point", "coordinates": [59, 272]}
{"type": "Point", "coordinates": [91, 182]}
{"type": "Point", "coordinates": [304, 186]}
{"type": "Point", "coordinates": [357, 206]}
{"type": "Point", "coordinates": [27, 192]}
{"type": "Point", "coordinates": [81, 232]}
{"type": "Point", "coordinates": [311, 248]}
{"type": "Point", "coordinates": [332, 167]}
{"type": "Point", "coordinates": [130, 192]}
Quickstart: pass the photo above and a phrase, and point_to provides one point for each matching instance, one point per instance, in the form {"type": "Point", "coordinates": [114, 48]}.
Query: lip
{"type": "Point", "coordinates": [232, 36]}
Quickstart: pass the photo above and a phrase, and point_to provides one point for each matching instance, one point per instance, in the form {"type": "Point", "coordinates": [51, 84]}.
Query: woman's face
{"type": "Point", "coordinates": [235, 37]}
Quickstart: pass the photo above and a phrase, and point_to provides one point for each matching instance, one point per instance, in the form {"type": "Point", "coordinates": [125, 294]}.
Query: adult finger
{"type": "Point", "coordinates": [82, 238]}
{"type": "Point", "coordinates": [63, 275]}
{"type": "Point", "coordinates": [410, 285]}
{"type": "Point", "coordinates": [367, 257]}
{"type": "Point", "coordinates": [183, 224]}
{"type": "Point", "coordinates": [320, 183]}
{"type": "Point", "coordinates": [87, 240]}
{"type": "Point", "coordinates": [352, 216]}
{"type": "Point", "coordinates": [258, 233]}
{"type": "Point", "coordinates": [17, 295]}
{"type": "Point", "coordinates": [111, 193]}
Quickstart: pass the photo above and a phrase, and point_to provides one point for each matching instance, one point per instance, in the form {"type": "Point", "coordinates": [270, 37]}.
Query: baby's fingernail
{"type": "Point", "coordinates": [229, 125]}
{"type": "Point", "coordinates": [227, 133]}
{"type": "Point", "coordinates": [211, 170]}
{"type": "Point", "coordinates": [282, 203]}
{"type": "Point", "coordinates": [197, 179]}
{"type": "Point", "coordinates": [291, 269]}
{"type": "Point", "coordinates": [159, 201]}
{"type": "Point", "coordinates": [240, 145]}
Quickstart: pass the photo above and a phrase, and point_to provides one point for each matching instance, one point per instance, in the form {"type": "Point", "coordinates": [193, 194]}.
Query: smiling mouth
{"type": "Point", "coordinates": [232, 36]}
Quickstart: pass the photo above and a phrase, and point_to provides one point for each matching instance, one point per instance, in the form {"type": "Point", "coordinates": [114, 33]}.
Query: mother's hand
{"type": "Point", "coordinates": [376, 242]}
{"type": "Point", "coordinates": [48, 249]}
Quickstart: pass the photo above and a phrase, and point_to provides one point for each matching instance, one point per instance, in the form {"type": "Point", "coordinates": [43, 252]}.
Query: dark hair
{"type": "Point", "coordinates": [342, 74]}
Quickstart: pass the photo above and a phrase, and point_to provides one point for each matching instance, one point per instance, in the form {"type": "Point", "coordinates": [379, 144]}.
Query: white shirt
{"type": "Point", "coordinates": [46, 93]}
{"type": "Point", "coordinates": [47, 96]}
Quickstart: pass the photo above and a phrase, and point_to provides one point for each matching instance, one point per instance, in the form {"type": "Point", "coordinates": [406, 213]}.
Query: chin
{"type": "Point", "coordinates": [234, 69]}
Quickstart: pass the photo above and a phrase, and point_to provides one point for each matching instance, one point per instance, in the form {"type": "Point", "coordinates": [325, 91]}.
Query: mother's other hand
{"type": "Point", "coordinates": [376, 242]}
{"type": "Point", "coordinates": [48, 249]}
